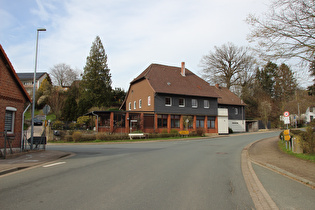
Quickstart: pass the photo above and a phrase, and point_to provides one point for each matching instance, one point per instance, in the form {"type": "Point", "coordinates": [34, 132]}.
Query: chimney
{"type": "Point", "coordinates": [183, 69]}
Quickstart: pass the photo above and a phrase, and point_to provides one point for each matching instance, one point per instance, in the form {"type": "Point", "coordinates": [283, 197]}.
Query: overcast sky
{"type": "Point", "coordinates": [134, 33]}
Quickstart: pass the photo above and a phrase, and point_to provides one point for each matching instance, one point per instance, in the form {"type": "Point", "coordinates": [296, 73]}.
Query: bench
{"type": "Point", "coordinates": [138, 135]}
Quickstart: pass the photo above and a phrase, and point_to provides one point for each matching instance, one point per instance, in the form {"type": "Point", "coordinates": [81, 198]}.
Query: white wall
{"type": "Point", "coordinates": [237, 125]}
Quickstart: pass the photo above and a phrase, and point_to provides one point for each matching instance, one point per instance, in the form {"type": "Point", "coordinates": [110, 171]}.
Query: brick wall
{"type": "Point", "coordinates": [11, 95]}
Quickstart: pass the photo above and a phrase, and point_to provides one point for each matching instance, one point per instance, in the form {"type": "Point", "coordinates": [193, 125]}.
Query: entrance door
{"type": "Point", "coordinates": [223, 121]}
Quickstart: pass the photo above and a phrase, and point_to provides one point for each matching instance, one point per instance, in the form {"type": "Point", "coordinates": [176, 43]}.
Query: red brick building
{"type": "Point", "coordinates": [13, 98]}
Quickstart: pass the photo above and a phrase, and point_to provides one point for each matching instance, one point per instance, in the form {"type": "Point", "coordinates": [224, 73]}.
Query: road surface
{"type": "Point", "coordinates": [191, 174]}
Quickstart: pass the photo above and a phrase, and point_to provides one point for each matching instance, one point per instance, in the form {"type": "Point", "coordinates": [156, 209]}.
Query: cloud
{"type": "Point", "coordinates": [134, 33]}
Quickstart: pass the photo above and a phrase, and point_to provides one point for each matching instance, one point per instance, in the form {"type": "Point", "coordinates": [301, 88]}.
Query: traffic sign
{"type": "Point", "coordinates": [286, 134]}
{"type": "Point", "coordinates": [286, 114]}
{"type": "Point", "coordinates": [286, 120]}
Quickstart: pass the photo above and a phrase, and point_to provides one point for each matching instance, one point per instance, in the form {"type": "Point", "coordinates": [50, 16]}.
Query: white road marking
{"type": "Point", "coordinates": [53, 164]}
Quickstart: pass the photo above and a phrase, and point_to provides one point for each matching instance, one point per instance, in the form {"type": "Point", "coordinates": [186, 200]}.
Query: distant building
{"type": "Point", "coordinates": [310, 114]}
{"type": "Point", "coordinates": [235, 108]}
{"type": "Point", "coordinates": [27, 80]}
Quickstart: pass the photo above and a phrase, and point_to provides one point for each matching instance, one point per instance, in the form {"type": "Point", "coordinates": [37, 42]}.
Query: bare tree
{"type": "Point", "coordinates": [63, 74]}
{"type": "Point", "coordinates": [227, 65]}
{"type": "Point", "coordinates": [265, 109]}
{"type": "Point", "coordinates": [56, 101]}
{"type": "Point", "coordinates": [287, 31]}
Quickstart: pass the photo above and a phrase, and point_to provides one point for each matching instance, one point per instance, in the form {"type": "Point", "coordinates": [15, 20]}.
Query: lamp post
{"type": "Point", "coordinates": [34, 88]}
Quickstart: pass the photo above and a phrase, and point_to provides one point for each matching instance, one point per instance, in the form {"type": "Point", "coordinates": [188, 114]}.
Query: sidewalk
{"type": "Point", "coordinates": [24, 160]}
{"type": "Point", "coordinates": [267, 153]}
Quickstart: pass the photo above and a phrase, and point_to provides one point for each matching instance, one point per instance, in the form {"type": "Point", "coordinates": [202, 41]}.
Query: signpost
{"type": "Point", "coordinates": [286, 133]}
{"type": "Point", "coordinates": [287, 137]}
{"type": "Point", "coordinates": [286, 118]}
{"type": "Point", "coordinates": [46, 111]}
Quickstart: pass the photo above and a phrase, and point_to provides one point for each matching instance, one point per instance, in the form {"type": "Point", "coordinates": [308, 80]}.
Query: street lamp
{"type": "Point", "coordinates": [34, 87]}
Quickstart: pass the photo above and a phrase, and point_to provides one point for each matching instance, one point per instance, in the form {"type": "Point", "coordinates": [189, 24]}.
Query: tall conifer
{"type": "Point", "coordinates": [96, 79]}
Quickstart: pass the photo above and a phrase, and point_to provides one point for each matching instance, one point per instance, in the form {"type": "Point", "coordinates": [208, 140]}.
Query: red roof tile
{"type": "Point", "coordinates": [168, 79]}
{"type": "Point", "coordinates": [227, 97]}
{"type": "Point", "coordinates": [10, 67]}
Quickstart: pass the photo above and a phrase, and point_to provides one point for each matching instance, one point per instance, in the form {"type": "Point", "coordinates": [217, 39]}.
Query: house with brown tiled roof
{"type": "Point", "coordinates": [165, 98]}
{"type": "Point", "coordinates": [235, 108]}
{"type": "Point", "coordinates": [173, 98]}
{"type": "Point", "coordinates": [27, 80]}
{"type": "Point", "coordinates": [13, 98]}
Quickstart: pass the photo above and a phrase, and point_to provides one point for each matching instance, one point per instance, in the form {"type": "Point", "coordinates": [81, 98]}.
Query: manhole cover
{"type": "Point", "coordinates": [221, 153]}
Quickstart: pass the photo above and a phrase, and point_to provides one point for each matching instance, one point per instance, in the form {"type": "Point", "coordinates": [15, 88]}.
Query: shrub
{"type": "Point", "coordinates": [111, 137]}
{"type": "Point", "coordinates": [307, 139]}
{"type": "Point", "coordinates": [76, 136]}
{"type": "Point", "coordinates": [68, 138]}
{"type": "Point", "coordinates": [83, 120]}
{"type": "Point", "coordinates": [200, 131]}
{"type": "Point", "coordinates": [308, 143]}
{"type": "Point", "coordinates": [173, 131]}
{"type": "Point", "coordinates": [73, 126]}
{"type": "Point", "coordinates": [57, 125]}
{"type": "Point", "coordinates": [164, 131]}
{"type": "Point", "coordinates": [88, 137]}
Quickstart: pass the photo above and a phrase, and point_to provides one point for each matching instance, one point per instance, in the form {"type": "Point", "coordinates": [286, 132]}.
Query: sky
{"type": "Point", "coordinates": [134, 33]}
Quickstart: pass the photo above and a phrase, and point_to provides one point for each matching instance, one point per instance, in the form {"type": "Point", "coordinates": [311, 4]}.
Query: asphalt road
{"type": "Point", "coordinates": [192, 174]}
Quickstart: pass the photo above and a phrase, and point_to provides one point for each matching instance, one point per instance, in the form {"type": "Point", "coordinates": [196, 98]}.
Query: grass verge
{"type": "Point", "coordinates": [309, 157]}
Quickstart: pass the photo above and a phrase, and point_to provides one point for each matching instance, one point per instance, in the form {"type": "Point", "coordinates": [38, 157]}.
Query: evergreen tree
{"type": "Point", "coordinates": [70, 109]}
{"type": "Point", "coordinates": [265, 78]}
{"type": "Point", "coordinates": [285, 83]}
{"type": "Point", "coordinates": [118, 96]}
{"type": "Point", "coordinates": [96, 79]}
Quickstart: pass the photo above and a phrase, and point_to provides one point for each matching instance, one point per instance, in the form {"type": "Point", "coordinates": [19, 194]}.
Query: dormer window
{"type": "Point", "coordinates": [206, 104]}
{"type": "Point", "coordinates": [168, 101]}
{"type": "Point", "coordinates": [194, 103]}
{"type": "Point", "coordinates": [181, 102]}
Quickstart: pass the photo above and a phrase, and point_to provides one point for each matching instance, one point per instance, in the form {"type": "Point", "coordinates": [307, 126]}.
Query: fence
{"type": "Point", "coordinates": [10, 144]}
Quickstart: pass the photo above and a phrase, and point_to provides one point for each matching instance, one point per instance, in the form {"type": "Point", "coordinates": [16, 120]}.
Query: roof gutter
{"type": "Point", "coordinates": [22, 133]}
{"type": "Point", "coordinates": [96, 120]}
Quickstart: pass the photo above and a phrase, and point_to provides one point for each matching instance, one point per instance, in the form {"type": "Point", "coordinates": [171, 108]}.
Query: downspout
{"type": "Point", "coordinates": [96, 120]}
{"type": "Point", "coordinates": [22, 139]}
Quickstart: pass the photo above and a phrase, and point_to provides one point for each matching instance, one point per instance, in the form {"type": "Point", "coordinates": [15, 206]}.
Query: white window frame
{"type": "Point", "coordinates": [11, 110]}
{"type": "Point", "coordinates": [129, 105]}
{"type": "Point", "coordinates": [183, 105]}
{"type": "Point", "coordinates": [135, 105]}
{"type": "Point", "coordinates": [194, 105]}
{"type": "Point", "coordinates": [236, 111]}
{"type": "Point", "coordinates": [140, 103]}
{"type": "Point", "coordinates": [149, 100]}
{"type": "Point", "coordinates": [170, 104]}
{"type": "Point", "coordinates": [206, 104]}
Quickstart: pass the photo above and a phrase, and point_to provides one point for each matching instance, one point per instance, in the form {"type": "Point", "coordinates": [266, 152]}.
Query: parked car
{"type": "Point", "coordinates": [38, 121]}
